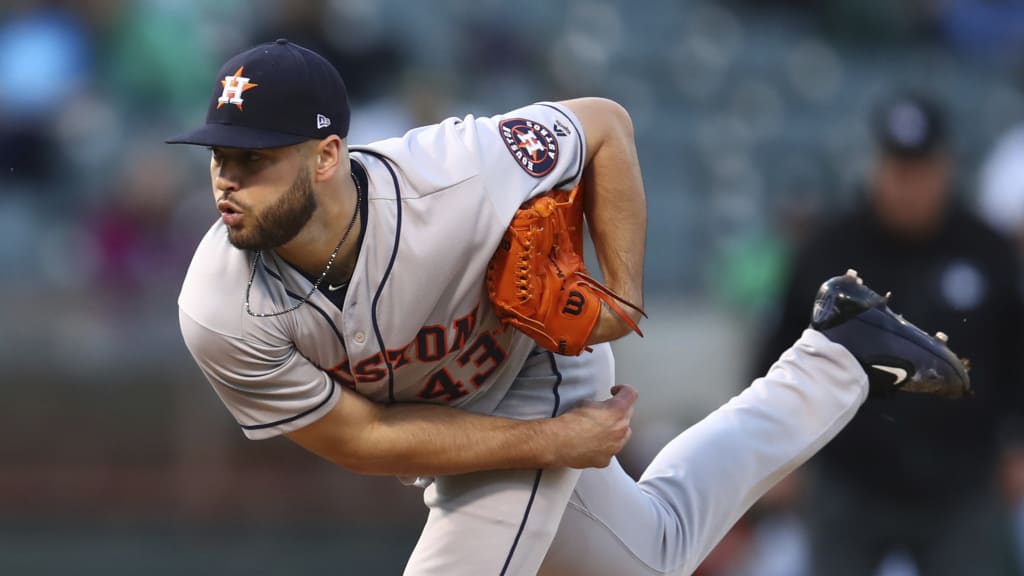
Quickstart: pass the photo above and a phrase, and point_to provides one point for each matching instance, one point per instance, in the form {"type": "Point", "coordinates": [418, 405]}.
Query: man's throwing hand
{"type": "Point", "coordinates": [589, 435]}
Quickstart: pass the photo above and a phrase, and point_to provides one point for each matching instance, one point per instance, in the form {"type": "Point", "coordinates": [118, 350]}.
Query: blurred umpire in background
{"type": "Point", "coordinates": [916, 474]}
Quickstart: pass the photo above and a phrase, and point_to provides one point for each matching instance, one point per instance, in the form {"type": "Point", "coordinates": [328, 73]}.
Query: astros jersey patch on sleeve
{"type": "Point", "coordinates": [539, 148]}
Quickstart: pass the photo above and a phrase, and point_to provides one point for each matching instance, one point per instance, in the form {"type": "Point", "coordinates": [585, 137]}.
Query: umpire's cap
{"type": "Point", "coordinates": [909, 125]}
{"type": "Point", "coordinates": [275, 94]}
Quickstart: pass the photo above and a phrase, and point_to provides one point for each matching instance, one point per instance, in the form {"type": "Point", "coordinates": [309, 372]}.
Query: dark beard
{"type": "Point", "coordinates": [282, 220]}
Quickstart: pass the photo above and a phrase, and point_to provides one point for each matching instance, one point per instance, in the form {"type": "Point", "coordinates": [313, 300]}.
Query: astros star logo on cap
{"type": "Point", "coordinates": [300, 97]}
{"type": "Point", "coordinates": [234, 86]}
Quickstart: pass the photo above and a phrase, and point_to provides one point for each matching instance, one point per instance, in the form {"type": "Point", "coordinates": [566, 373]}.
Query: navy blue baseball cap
{"type": "Point", "coordinates": [273, 95]}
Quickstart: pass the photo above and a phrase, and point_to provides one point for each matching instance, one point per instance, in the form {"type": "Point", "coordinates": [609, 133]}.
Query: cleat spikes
{"type": "Point", "coordinates": [895, 354]}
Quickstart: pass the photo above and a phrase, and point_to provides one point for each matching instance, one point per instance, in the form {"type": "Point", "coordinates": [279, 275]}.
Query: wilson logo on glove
{"type": "Point", "coordinates": [537, 281]}
{"type": "Point", "coordinates": [574, 305]}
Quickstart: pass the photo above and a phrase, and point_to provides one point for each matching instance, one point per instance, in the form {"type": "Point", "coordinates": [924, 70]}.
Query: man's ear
{"type": "Point", "coordinates": [328, 155]}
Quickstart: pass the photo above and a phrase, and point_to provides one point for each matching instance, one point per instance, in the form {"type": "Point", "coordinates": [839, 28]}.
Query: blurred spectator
{"type": "Point", "coordinates": [386, 98]}
{"type": "Point", "coordinates": [137, 244]}
{"type": "Point", "coordinates": [369, 63]}
{"type": "Point", "coordinates": [916, 474]}
{"type": "Point", "coordinates": [157, 62]}
{"type": "Point", "coordinates": [44, 60]}
{"type": "Point", "coordinates": [867, 22]}
{"type": "Point", "coordinates": [418, 99]}
{"type": "Point", "coordinates": [990, 30]}
{"type": "Point", "coordinates": [875, 21]}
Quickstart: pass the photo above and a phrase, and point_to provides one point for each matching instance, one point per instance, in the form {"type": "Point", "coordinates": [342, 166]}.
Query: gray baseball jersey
{"type": "Point", "coordinates": [416, 323]}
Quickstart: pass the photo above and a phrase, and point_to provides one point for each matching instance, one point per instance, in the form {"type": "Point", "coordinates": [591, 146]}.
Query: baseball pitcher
{"type": "Point", "coordinates": [417, 307]}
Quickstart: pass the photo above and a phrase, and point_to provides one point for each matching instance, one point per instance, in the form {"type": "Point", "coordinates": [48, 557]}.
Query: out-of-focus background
{"type": "Point", "coordinates": [751, 124]}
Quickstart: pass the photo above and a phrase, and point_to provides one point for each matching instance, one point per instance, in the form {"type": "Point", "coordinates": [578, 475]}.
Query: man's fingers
{"type": "Point", "coordinates": [624, 394]}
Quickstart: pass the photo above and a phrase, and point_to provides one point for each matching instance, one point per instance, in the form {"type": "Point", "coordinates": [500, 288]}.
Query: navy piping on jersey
{"type": "Point", "coordinates": [558, 380]}
{"type": "Point", "coordinates": [387, 271]}
{"type": "Point", "coordinates": [579, 136]}
{"type": "Point", "coordinates": [334, 327]}
{"type": "Point", "coordinates": [536, 479]}
{"type": "Point", "coordinates": [334, 384]}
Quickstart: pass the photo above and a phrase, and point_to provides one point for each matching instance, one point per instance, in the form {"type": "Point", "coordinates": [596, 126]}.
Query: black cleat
{"type": "Point", "coordinates": [895, 354]}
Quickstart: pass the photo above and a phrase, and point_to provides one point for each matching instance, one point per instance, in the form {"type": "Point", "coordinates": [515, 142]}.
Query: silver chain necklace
{"type": "Point", "coordinates": [330, 262]}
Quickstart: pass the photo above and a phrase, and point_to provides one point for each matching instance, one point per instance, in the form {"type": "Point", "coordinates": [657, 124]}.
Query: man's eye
{"type": "Point", "coordinates": [253, 158]}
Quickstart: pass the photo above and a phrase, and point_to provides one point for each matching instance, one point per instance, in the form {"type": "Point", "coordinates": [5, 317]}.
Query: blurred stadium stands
{"type": "Point", "coordinates": [118, 459]}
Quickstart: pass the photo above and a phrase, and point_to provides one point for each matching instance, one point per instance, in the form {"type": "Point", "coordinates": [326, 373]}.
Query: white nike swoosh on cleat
{"type": "Point", "coordinates": [899, 373]}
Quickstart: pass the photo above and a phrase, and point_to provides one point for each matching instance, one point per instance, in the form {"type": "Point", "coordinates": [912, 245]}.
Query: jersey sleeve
{"type": "Point", "coordinates": [513, 157]}
{"type": "Point", "coordinates": [270, 389]}
{"type": "Point", "coordinates": [529, 151]}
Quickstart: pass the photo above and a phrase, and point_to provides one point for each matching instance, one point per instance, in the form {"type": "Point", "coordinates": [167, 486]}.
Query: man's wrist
{"type": "Point", "coordinates": [547, 442]}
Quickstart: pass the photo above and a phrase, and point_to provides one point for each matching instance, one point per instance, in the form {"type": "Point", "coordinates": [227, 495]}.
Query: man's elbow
{"type": "Point", "coordinates": [596, 111]}
{"type": "Point", "coordinates": [618, 116]}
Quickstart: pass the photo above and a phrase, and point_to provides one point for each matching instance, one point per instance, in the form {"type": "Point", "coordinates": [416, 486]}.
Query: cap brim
{"type": "Point", "coordinates": [903, 152]}
{"type": "Point", "coordinates": [230, 136]}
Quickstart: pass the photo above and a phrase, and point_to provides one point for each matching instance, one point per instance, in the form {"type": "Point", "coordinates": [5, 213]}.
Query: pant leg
{"type": "Point", "coordinates": [700, 484]}
{"type": "Point", "coordinates": [491, 523]}
{"type": "Point", "coordinates": [502, 522]}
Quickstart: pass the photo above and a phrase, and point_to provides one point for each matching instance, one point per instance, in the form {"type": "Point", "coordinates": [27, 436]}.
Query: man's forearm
{"type": "Point", "coordinates": [424, 439]}
{"type": "Point", "coordinates": [429, 440]}
{"type": "Point", "coordinates": [613, 192]}
{"type": "Point", "coordinates": [432, 440]}
{"type": "Point", "coordinates": [617, 217]}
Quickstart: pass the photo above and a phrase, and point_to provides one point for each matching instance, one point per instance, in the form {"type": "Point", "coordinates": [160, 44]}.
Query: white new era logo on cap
{"type": "Point", "coordinates": [322, 121]}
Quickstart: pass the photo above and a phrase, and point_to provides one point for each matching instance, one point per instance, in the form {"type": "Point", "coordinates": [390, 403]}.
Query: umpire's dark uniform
{"type": "Point", "coordinates": [916, 473]}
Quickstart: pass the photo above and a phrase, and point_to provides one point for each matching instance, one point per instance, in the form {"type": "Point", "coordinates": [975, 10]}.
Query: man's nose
{"type": "Point", "coordinates": [226, 180]}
